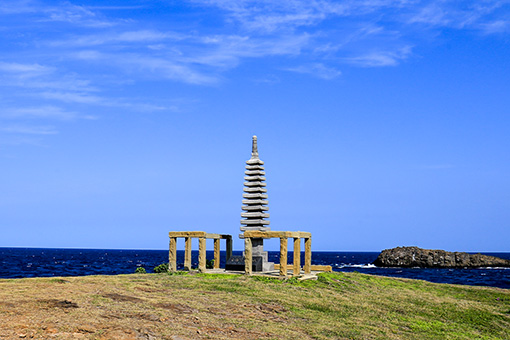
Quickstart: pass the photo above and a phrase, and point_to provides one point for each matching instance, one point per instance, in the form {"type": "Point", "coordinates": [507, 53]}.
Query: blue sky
{"type": "Point", "coordinates": [382, 123]}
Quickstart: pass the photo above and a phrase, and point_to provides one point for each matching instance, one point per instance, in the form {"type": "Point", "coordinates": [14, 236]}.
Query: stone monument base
{"type": "Point", "coordinates": [259, 263]}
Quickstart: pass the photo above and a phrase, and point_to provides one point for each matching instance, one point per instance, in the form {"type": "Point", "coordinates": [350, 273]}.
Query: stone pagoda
{"type": "Point", "coordinates": [254, 212]}
{"type": "Point", "coordinates": [254, 228]}
{"type": "Point", "coordinates": [255, 194]}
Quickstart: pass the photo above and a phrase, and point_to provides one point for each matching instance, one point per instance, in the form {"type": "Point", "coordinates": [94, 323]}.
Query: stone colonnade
{"type": "Point", "coordinates": [283, 236]}
{"type": "Point", "coordinates": [202, 237]}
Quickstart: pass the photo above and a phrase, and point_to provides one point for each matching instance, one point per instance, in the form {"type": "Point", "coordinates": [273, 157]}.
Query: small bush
{"type": "Point", "coordinates": [209, 264]}
{"type": "Point", "coordinates": [140, 270]}
{"type": "Point", "coordinates": [162, 268]}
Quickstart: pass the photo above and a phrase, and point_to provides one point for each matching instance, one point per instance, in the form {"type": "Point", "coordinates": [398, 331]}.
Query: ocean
{"type": "Point", "coordinates": [33, 262]}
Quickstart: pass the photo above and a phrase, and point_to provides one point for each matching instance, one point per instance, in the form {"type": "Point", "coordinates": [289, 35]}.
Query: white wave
{"type": "Point", "coordinates": [365, 266]}
{"type": "Point", "coordinates": [506, 268]}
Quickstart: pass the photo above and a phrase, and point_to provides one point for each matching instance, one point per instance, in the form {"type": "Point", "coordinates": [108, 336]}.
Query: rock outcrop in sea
{"type": "Point", "coordinates": [429, 258]}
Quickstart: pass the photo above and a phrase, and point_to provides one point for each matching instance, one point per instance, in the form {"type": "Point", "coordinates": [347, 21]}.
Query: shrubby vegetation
{"type": "Point", "coordinates": [140, 270]}
{"type": "Point", "coordinates": [162, 268]}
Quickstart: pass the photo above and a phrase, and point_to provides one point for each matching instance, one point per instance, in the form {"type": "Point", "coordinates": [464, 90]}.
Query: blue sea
{"type": "Point", "coordinates": [32, 262]}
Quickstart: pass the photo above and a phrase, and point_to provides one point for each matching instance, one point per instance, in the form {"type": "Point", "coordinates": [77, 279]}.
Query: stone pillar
{"type": "Point", "coordinates": [201, 254]}
{"type": "Point", "coordinates": [216, 253]}
{"type": "Point", "coordinates": [308, 255]}
{"type": "Point", "coordinates": [229, 248]}
{"type": "Point", "coordinates": [172, 255]}
{"type": "Point", "coordinates": [297, 256]}
{"type": "Point", "coordinates": [247, 256]}
{"type": "Point", "coordinates": [187, 253]}
{"type": "Point", "coordinates": [283, 256]}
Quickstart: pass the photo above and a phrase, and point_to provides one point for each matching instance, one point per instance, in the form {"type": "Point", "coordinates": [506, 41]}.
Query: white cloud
{"type": "Point", "coordinates": [16, 6]}
{"type": "Point", "coordinates": [61, 60]}
{"type": "Point", "coordinates": [45, 112]}
{"type": "Point", "coordinates": [76, 15]}
{"type": "Point", "coordinates": [72, 97]}
{"type": "Point", "coordinates": [380, 58]}
{"type": "Point", "coordinates": [270, 16]}
{"type": "Point", "coordinates": [30, 130]}
{"type": "Point", "coordinates": [498, 26]}
{"type": "Point", "coordinates": [317, 70]}
{"type": "Point", "coordinates": [227, 51]}
{"type": "Point", "coordinates": [25, 70]}
{"type": "Point", "coordinates": [132, 37]}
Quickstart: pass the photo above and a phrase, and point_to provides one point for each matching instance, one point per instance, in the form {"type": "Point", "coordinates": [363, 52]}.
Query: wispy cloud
{"type": "Point", "coordinates": [495, 27]}
{"type": "Point", "coordinates": [64, 59]}
{"type": "Point", "coordinates": [381, 58]}
{"type": "Point", "coordinates": [16, 6]}
{"type": "Point", "coordinates": [459, 15]}
{"type": "Point", "coordinates": [228, 51]}
{"type": "Point", "coordinates": [76, 15]}
{"type": "Point", "coordinates": [317, 70]}
{"type": "Point", "coordinates": [43, 112]}
{"type": "Point", "coordinates": [270, 16]}
{"type": "Point", "coordinates": [132, 37]}
{"type": "Point", "coordinates": [29, 130]}
{"type": "Point", "coordinates": [24, 70]}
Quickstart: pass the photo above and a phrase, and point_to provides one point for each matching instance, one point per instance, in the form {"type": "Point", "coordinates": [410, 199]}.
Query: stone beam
{"type": "Point", "coordinates": [198, 234]}
{"type": "Point", "coordinates": [277, 234]}
{"type": "Point", "coordinates": [187, 234]}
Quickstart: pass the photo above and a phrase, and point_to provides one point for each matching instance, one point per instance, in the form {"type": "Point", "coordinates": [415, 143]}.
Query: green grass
{"type": "Point", "coordinates": [357, 306]}
{"type": "Point", "coordinates": [335, 306]}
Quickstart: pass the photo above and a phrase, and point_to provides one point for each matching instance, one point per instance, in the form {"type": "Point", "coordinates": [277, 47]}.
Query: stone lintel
{"type": "Point", "coordinates": [277, 234]}
{"type": "Point", "coordinates": [320, 268]}
{"type": "Point", "coordinates": [315, 268]}
{"type": "Point", "coordinates": [198, 234]}
{"type": "Point", "coordinates": [187, 233]}
{"type": "Point", "coordinates": [241, 236]}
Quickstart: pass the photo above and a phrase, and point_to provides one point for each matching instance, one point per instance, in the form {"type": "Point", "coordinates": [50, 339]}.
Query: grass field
{"type": "Point", "coordinates": [208, 306]}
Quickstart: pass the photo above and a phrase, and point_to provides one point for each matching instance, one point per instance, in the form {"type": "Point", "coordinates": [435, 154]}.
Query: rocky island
{"type": "Point", "coordinates": [430, 258]}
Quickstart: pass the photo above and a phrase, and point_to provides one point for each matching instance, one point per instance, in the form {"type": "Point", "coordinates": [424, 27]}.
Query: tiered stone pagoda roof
{"type": "Point", "coordinates": [255, 194]}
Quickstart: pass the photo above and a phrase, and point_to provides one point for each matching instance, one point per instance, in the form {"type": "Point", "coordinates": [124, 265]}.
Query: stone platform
{"type": "Point", "coordinates": [275, 274]}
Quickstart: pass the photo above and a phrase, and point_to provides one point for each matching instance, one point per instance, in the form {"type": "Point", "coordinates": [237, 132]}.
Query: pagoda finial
{"type": "Point", "coordinates": [254, 148]}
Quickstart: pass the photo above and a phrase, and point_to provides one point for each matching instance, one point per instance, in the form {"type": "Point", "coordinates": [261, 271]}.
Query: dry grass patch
{"type": "Point", "coordinates": [202, 306]}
